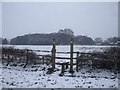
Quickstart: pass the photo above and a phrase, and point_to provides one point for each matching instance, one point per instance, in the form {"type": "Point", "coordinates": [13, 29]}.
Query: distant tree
{"type": "Point", "coordinates": [66, 31]}
{"type": "Point", "coordinates": [84, 40]}
{"type": "Point", "coordinates": [4, 41]}
{"type": "Point", "coordinates": [111, 41]}
{"type": "Point", "coordinates": [98, 40]}
{"type": "Point", "coordinates": [46, 39]}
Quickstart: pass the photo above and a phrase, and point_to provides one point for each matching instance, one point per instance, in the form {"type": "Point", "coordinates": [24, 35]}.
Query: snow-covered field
{"type": "Point", "coordinates": [36, 77]}
{"type": "Point", "coordinates": [80, 48]}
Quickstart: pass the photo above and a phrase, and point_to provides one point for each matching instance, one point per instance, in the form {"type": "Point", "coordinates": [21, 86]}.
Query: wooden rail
{"type": "Point", "coordinates": [87, 53]}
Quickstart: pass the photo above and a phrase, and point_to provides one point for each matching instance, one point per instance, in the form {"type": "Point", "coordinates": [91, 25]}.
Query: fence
{"type": "Point", "coordinates": [30, 56]}
{"type": "Point", "coordinates": [105, 60]}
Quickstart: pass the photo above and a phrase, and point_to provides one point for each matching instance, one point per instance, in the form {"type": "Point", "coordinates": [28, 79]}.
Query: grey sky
{"type": "Point", "coordinates": [0, 19]}
{"type": "Point", "coordinates": [90, 19]}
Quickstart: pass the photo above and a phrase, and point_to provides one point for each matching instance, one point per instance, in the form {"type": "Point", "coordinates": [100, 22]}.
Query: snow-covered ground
{"type": "Point", "coordinates": [36, 77]}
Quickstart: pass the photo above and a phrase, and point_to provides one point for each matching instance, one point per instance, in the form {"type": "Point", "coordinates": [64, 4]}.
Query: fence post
{"type": "Point", "coordinates": [53, 54]}
{"type": "Point", "coordinates": [27, 57]}
{"type": "Point", "coordinates": [71, 56]}
{"type": "Point", "coordinates": [62, 71]}
{"type": "Point", "coordinates": [43, 60]}
{"type": "Point", "coordinates": [77, 61]}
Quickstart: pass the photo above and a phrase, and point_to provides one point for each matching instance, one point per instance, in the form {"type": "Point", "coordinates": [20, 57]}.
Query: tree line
{"type": "Point", "coordinates": [62, 38]}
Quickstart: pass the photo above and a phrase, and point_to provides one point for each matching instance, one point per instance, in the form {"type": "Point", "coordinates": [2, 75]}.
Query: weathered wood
{"type": "Point", "coordinates": [58, 57]}
{"type": "Point", "coordinates": [68, 63]}
{"type": "Point", "coordinates": [71, 56]}
{"type": "Point", "coordinates": [64, 58]}
{"type": "Point", "coordinates": [62, 70]}
{"type": "Point", "coordinates": [64, 66]}
{"type": "Point", "coordinates": [27, 57]}
{"type": "Point", "coordinates": [53, 54]}
{"type": "Point", "coordinates": [77, 61]}
{"type": "Point", "coordinates": [43, 60]}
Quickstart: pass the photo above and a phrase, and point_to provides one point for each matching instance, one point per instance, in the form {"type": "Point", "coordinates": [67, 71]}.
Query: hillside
{"type": "Point", "coordinates": [46, 39]}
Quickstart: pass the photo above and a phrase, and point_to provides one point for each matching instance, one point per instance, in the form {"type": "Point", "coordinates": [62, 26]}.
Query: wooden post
{"type": "Point", "coordinates": [71, 56]}
{"type": "Point", "coordinates": [43, 59]}
{"type": "Point", "coordinates": [27, 57]}
{"type": "Point", "coordinates": [62, 71]}
{"type": "Point", "coordinates": [53, 54]}
{"type": "Point", "coordinates": [66, 66]}
{"type": "Point", "coordinates": [77, 61]}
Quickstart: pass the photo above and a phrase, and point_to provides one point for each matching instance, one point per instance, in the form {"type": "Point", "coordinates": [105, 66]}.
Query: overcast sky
{"type": "Point", "coordinates": [90, 19]}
